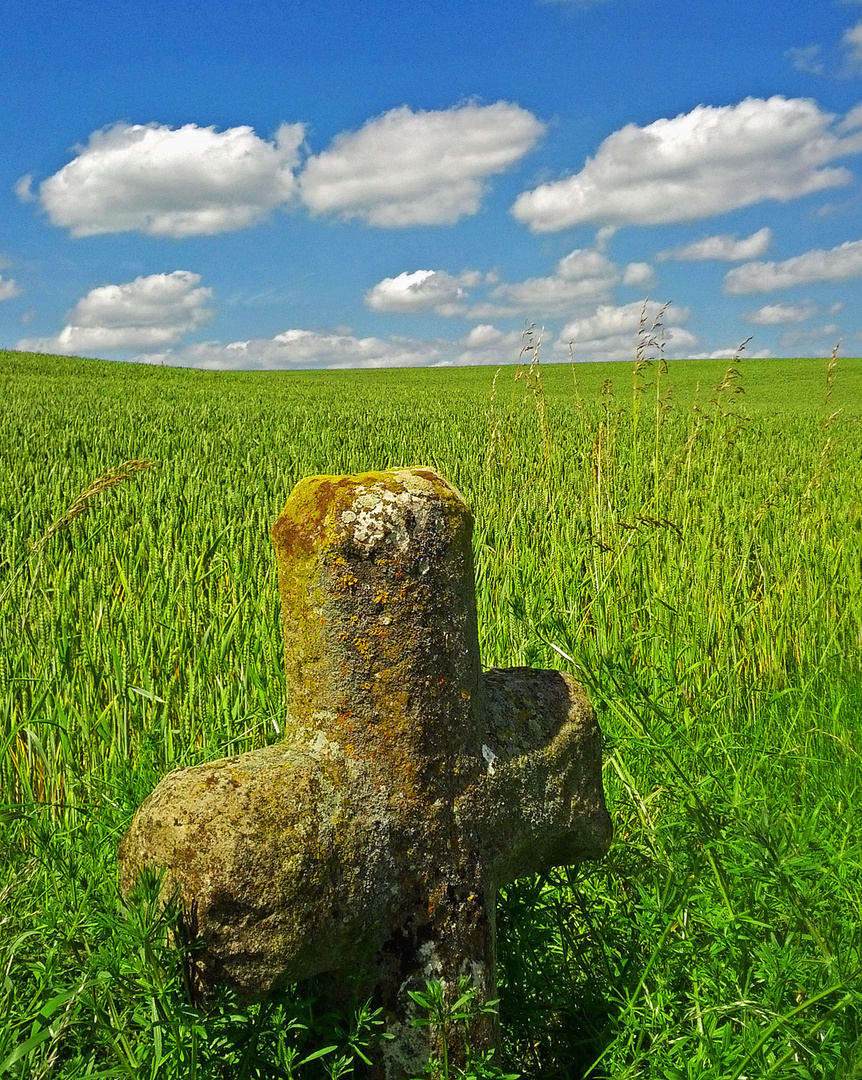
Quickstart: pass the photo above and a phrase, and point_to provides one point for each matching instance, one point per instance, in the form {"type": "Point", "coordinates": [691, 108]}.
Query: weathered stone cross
{"type": "Point", "coordinates": [409, 786]}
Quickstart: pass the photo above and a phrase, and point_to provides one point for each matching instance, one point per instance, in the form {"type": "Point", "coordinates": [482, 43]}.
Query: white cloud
{"type": "Point", "coordinates": [806, 58]}
{"type": "Point", "coordinates": [725, 248]}
{"type": "Point", "coordinates": [423, 290]}
{"type": "Point", "coordinates": [149, 312]}
{"type": "Point", "coordinates": [189, 181]}
{"type": "Point", "coordinates": [611, 333]}
{"type": "Point", "coordinates": [23, 188]}
{"type": "Point", "coordinates": [840, 263]}
{"type": "Point", "coordinates": [604, 235]}
{"type": "Point", "coordinates": [484, 334]}
{"type": "Point", "coordinates": [583, 278]}
{"type": "Point", "coordinates": [485, 345]}
{"type": "Point", "coordinates": [303, 349]}
{"type": "Point", "coordinates": [699, 164]}
{"type": "Point", "coordinates": [308, 349]}
{"type": "Point", "coordinates": [731, 353]}
{"type": "Point", "coordinates": [9, 288]}
{"type": "Point", "coordinates": [780, 314]}
{"type": "Point", "coordinates": [852, 120]}
{"type": "Point", "coordinates": [640, 274]}
{"type": "Point", "coordinates": [852, 46]}
{"type": "Point", "coordinates": [843, 61]}
{"type": "Point", "coordinates": [818, 335]}
{"type": "Point", "coordinates": [839, 208]}
{"type": "Point", "coordinates": [418, 168]}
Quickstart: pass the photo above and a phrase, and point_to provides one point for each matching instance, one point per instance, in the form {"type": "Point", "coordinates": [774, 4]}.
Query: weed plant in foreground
{"type": "Point", "coordinates": [689, 551]}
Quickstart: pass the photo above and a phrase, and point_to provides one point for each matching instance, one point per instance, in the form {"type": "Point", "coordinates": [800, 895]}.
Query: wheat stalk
{"type": "Point", "coordinates": [110, 479]}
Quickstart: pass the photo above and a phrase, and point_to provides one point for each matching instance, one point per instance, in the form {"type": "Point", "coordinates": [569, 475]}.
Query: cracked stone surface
{"type": "Point", "coordinates": [368, 846]}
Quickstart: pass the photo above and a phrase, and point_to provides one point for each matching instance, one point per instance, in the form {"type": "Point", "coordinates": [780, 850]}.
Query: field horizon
{"type": "Point", "coordinates": [792, 383]}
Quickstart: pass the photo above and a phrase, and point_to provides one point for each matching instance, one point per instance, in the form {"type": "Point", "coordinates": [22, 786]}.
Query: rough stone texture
{"type": "Point", "coordinates": [409, 786]}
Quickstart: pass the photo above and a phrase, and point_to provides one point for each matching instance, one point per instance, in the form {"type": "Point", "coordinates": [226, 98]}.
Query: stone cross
{"type": "Point", "coordinates": [410, 785]}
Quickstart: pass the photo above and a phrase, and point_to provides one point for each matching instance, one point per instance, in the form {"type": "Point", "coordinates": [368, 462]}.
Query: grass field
{"type": "Point", "coordinates": [693, 555]}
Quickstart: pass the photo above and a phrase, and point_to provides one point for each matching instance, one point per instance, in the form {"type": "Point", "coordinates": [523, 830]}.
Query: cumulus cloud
{"type": "Point", "coordinates": [418, 168]}
{"type": "Point", "coordinates": [484, 334]}
{"type": "Point", "coordinates": [583, 278]}
{"type": "Point", "coordinates": [300, 349]}
{"type": "Point", "coordinates": [188, 181]}
{"type": "Point", "coordinates": [149, 312]}
{"type": "Point", "coordinates": [725, 248]}
{"type": "Point", "coordinates": [698, 164]}
{"type": "Point", "coordinates": [9, 288]}
{"type": "Point", "coordinates": [639, 273]}
{"type": "Point", "coordinates": [840, 263]}
{"type": "Point", "coordinates": [423, 290]}
{"type": "Point", "coordinates": [297, 348]}
{"type": "Point", "coordinates": [23, 188]}
{"type": "Point", "coordinates": [611, 333]}
{"type": "Point", "coordinates": [731, 353]}
{"type": "Point", "coordinates": [780, 314]}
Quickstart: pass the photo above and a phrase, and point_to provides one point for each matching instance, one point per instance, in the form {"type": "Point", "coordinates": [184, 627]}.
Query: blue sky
{"type": "Point", "coordinates": [309, 184]}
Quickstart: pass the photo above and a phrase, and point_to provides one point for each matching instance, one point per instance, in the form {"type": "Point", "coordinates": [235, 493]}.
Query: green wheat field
{"type": "Point", "coordinates": [684, 538]}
